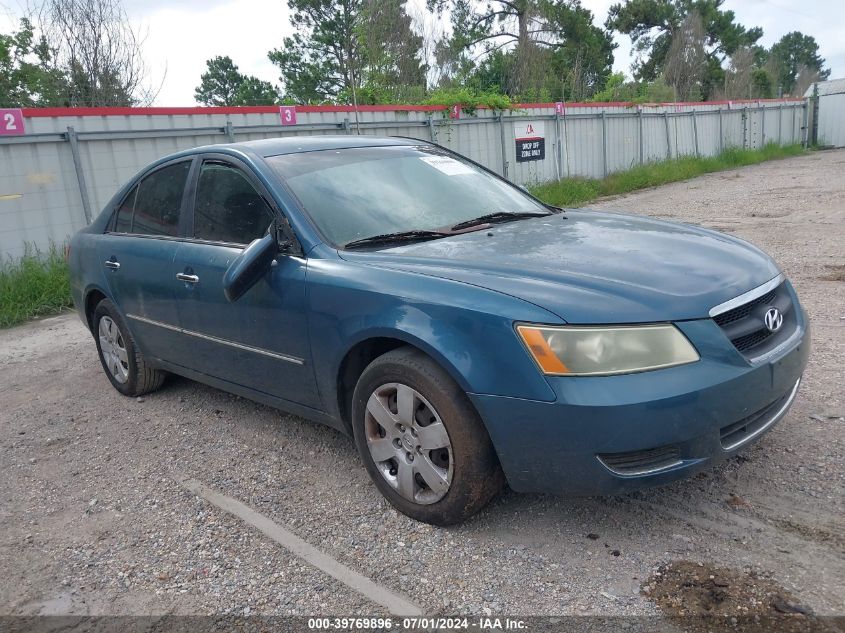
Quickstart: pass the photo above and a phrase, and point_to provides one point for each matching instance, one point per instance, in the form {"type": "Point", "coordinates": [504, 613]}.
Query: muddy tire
{"type": "Point", "coordinates": [122, 361]}
{"type": "Point", "coordinates": [422, 441]}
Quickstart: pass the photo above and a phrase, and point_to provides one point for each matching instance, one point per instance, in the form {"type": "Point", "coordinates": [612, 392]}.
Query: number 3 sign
{"type": "Point", "coordinates": [288, 114]}
{"type": "Point", "coordinates": [11, 122]}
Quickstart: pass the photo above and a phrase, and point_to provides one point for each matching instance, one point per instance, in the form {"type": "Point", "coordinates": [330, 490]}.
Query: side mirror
{"type": "Point", "coordinates": [249, 266]}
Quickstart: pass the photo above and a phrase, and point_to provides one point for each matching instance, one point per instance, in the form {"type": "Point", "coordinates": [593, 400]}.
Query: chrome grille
{"type": "Point", "coordinates": [744, 310]}
{"type": "Point", "coordinates": [749, 341]}
{"type": "Point", "coordinates": [745, 326]}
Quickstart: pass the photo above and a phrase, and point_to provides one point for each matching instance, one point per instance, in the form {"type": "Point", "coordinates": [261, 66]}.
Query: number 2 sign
{"type": "Point", "coordinates": [288, 114]}
{"type": "Point", "coordinates": [11, 122]}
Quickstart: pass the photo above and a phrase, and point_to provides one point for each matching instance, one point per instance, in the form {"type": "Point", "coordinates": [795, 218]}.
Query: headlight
{"type": "Point", "coordinates": [594, 351]}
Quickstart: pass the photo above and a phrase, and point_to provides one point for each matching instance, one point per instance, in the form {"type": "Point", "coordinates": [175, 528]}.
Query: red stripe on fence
{"type": "Point", "coordinates": [193, 110]}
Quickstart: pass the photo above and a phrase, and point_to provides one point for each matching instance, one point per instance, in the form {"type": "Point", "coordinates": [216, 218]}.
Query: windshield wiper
{"type": "Point", "coordinates": [416, 235]}
{"type": "Point", "coordinates": [419, 235]}
{"type": "Point", "coordinates": [498, 217]}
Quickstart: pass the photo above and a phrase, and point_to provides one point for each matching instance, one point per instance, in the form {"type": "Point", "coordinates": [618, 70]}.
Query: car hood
{"type": "Point", "coordinates": [593, 267]}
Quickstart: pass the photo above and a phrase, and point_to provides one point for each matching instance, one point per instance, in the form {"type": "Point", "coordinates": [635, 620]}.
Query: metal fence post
{"type": "Point", "coordinates": [695, 133]}
{"type": "Point", "coordinates": [668, 137]}
{"type": "Point", "coordinates": [80, 174]}
{"type": "Point", "coordinates": [792, 127]}
{"type": "Point", "coordinates": [762, 125]}
{"type": "Point", "coordinates": [721, 132]}
{"type": "Point", "coordinates": [745, 127]}
{"type": "Point", "coordinates": [780, 124]}
{"type": "Point", "coordinates": [566, 141]}
{"type": "Point", "coordinates": [604, 142]}
{"type": "Point", "coordinates": [504, 146]}
{"type": "Point", "coordinates": [640, 130]}
{"type": "Point", "coordinates": [559, 144]}
{"type": "Point", "coordinates": [230, 131]}
{"type": "Point", "coordinates": [805, 114]}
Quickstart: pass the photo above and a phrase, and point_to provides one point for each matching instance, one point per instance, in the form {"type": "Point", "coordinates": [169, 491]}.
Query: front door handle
{"type": "Point", "coordinates": [191, 279]}
{"type": "Point", "coordinates": [110, 263]}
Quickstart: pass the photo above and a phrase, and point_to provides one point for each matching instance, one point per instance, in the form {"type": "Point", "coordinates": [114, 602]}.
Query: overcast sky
{"type": "Point", "coordinates": [183, 34]}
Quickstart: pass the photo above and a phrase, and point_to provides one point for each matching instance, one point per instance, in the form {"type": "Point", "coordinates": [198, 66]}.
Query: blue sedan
{"type": "Point", "coordinates": [464, 333]}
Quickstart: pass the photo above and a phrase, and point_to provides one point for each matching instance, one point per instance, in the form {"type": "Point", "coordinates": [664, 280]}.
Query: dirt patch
{"type": "Point", "coordinates": [813, 532]}
{"type": "Point", "coordinates": [837, 273]}
{"type": "Point", "coordinates": [701, 595]}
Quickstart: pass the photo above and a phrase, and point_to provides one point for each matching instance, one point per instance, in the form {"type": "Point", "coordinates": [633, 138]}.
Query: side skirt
{"type": "Point", "coordinates": [257, 396]}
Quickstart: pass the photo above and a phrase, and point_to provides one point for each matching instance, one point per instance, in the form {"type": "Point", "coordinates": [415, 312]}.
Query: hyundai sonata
{"type": "Point", "coordinates": [463, 332]}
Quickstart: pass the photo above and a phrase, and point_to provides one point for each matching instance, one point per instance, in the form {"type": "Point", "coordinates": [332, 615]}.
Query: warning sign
{"type": "Point", "coordinates": [530, 141]}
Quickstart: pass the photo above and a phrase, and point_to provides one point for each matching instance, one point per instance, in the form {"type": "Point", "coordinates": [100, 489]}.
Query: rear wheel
{"type": "Point", "coordinates": [123, 363]}
{"type": "Point", "coordinates": [422, 441]}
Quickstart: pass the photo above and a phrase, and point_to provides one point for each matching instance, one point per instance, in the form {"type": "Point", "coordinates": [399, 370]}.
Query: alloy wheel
{"type": "Point", "coordinates": [409, 443]}
{"type": "Point", "coordinates": [113, 349]}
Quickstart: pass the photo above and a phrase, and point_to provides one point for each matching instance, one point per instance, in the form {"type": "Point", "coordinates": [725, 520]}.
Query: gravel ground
{"type": "Point", "coordinates": [94, 521]}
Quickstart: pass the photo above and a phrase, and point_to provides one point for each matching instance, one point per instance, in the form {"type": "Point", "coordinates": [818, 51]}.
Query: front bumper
{"type": "Point", "coordinates": [614, 434]}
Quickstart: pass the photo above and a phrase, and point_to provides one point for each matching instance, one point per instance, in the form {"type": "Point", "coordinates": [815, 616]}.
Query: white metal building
{"type": "Point", "coordinates": [830, 126]}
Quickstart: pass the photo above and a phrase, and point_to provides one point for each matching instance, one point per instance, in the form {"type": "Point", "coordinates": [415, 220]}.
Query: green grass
{"type": "Point", "coordinates": [573, 192]}
{"type": "Point", "coordinates": [35, 285]}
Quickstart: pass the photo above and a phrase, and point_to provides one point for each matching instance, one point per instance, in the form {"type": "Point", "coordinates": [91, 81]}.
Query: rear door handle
{"type": "Point", "coordinates": [191, 279]}
{"type": "Point", "coordinates": [110, 263]}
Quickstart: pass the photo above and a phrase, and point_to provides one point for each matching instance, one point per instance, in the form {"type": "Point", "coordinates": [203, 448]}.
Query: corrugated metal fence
{"type": "Point", "coordinates": [67, 164]}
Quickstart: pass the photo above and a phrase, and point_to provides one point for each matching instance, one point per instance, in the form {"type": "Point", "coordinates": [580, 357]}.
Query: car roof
{"type": "Point", "coordinates": [297, 144]}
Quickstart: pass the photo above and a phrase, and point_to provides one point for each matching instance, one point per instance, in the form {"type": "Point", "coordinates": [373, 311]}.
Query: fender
{"type": "Point", "coordinates": [461, 327]}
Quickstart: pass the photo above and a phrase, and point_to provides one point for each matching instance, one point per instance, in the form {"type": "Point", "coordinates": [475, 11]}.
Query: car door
{"type": "Point", "coordinates": [259, 341]}
{"type": "Point", "coordinates": [138, 254]}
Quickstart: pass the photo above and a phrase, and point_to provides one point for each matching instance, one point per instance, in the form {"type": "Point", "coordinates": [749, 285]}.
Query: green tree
{"type": "Point", "coordinates": [582, 55]}
{"type": "Point", "coordinates": [27, 75]}
{"type": "Point", "coordinates": [223, 85]}
{"type": "Point", "coordinates": [793, 53]}
{"type": "Point", "coordinates": [391, 68]}
{"type": "Point", "coordinates": [345, 47]}
{"type": "Point", "coordinates": [763, 85]}
{"type": "Point", "coordinates": [618, 89]}
{"type": "Point", "coordinates": [653, 24]}
{"type": "Point", "coordinates": [254, 91]}
{"type": "Point", "coordinates": [322, 58]}
{"type": "Point", "coordinates": [530, 49]}
{"type": "Point", "coordinates": [219, 83]}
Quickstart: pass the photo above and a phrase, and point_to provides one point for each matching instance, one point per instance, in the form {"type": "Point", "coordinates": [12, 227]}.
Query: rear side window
{"type": "Point", "coordinates": [123, 222]}
{"type": "Point", "coordinates": [228, 208]}
{"type": "Point", "coordinates": [158, 201]}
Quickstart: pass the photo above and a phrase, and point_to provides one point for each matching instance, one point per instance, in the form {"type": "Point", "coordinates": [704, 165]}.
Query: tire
{"type": "Point", "coordinates": [122, 361]}
{"type": "Point", "coordinates": [448, 483]}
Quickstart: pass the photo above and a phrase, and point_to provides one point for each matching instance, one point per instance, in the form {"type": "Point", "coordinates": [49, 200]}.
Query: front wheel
{"type": "Point", "coordinates": [422, 441]}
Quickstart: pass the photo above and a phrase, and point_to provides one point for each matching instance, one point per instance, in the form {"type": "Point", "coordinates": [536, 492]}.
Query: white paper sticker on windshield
{"type": "Point", "coordinates": [448, 166]}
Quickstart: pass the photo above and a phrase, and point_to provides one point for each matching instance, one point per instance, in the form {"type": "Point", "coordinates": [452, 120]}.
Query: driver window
{"type": "Point", "coordinates": [228, 208]}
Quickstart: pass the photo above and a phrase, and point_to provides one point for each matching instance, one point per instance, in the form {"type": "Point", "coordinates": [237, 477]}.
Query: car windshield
{"type": "Point", "coordinates": [356, 193]}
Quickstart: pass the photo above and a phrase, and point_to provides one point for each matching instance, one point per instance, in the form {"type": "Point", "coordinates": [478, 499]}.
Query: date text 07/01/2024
{"type": "Point", "coordinates": [482, 623]}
